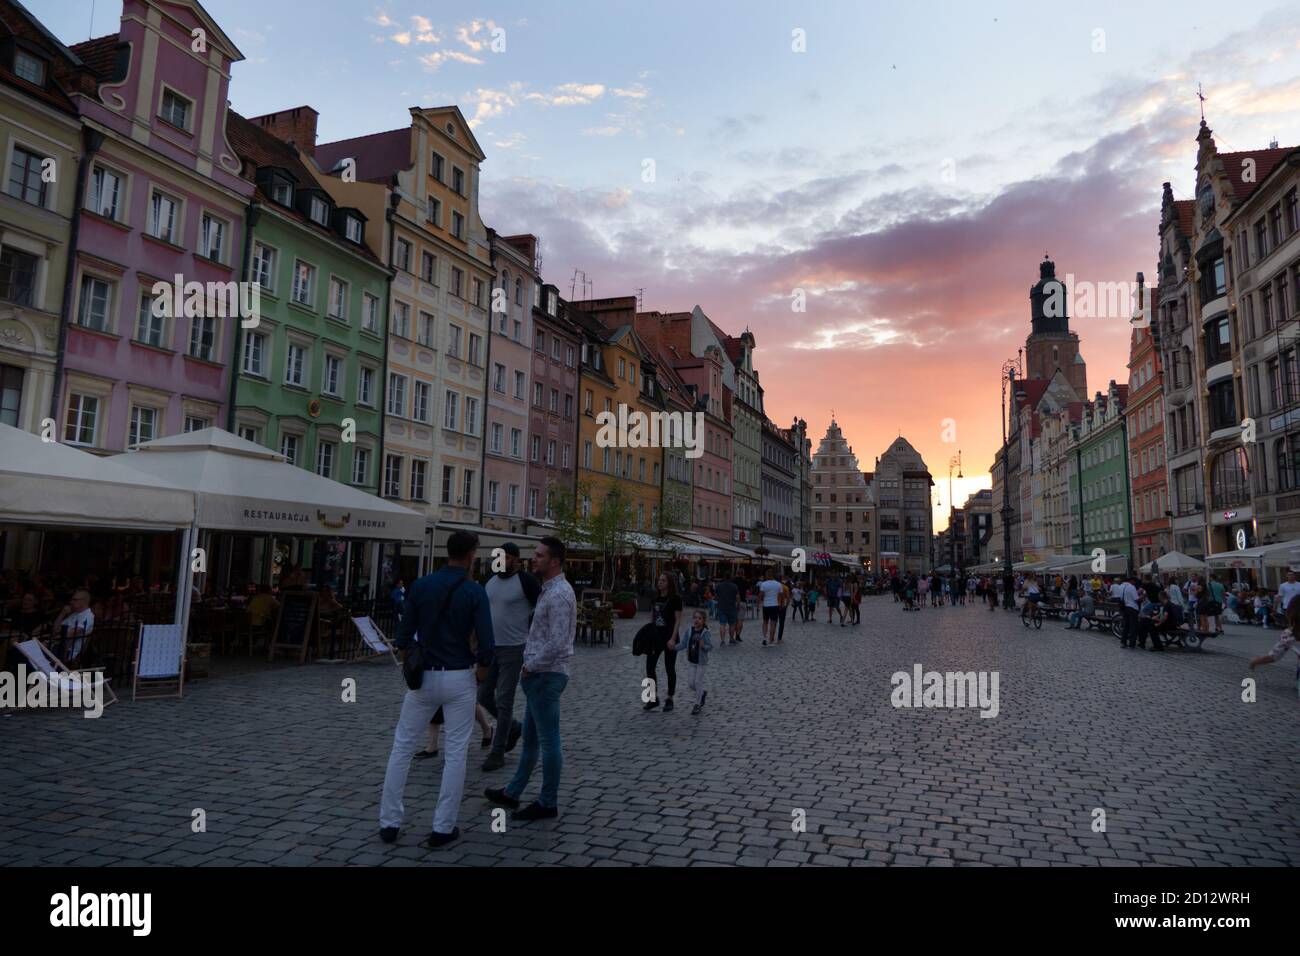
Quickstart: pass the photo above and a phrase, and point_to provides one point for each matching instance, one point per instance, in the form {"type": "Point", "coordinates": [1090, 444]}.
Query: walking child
{"type": "Point", "coordinates": [698, 645]}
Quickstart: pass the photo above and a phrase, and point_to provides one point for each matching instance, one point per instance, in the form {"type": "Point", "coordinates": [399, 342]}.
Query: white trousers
{"type": "Point", "coordinates": [697, 678]}
{"type": "Point", "coordinates": [454, 692]}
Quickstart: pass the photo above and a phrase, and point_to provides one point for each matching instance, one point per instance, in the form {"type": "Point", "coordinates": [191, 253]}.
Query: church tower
{"type": "Point", "coordinates": [1051, 345]}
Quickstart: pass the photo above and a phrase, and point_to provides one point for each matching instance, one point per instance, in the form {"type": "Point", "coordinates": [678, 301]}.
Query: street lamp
{"type": "Point", "coordinates": [954, 462]}
{"type": "Point", "coordinates": [1010, 392]}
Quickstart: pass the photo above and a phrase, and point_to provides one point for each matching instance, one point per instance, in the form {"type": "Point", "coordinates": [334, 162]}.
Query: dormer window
{"type": "Point", "coordinates": [175, 109]}
{"type": "Point", "coordinates": [30, 68]}
{"type": "Point", "coordinates": [320, 211]}
{"type": "Point", "coordinates": [281, 192]}
{"type": "Point", "coordinates": [352, 229]}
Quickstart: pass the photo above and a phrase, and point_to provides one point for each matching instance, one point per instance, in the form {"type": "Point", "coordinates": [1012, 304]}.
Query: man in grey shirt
{"type": "Point", "coordinates": [512, 594]}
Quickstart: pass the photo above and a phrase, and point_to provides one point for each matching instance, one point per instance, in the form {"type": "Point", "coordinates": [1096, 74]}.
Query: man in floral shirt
{"type": "Point", "coordinates": [547, 655]}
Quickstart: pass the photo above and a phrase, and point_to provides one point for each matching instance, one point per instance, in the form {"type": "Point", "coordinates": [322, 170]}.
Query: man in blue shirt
{"type": "Point", "coordinates": [450, 616]}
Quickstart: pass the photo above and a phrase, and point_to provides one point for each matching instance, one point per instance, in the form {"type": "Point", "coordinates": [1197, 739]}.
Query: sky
{"type": "Point", "coordinates": [867, 187]}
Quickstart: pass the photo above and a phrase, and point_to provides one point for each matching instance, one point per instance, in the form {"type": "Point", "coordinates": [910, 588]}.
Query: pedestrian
{"type": "Point", "coordinates": [512, 594]}
{"type": "Point", "coordinates": [810, 613]}
{"type": "Point", "coordinates": [1285, 642]}
{"type": "Point", "coordinates": [833, 598]}
{"type": "Point", "coordinates": [771, 589]}
{"type": "Point", "coordinates": [548, 655]}
{"type": "Point", "coordinates": [698, 645]}
{"type": "Point", "coordinates": [855, 610]}
{"type": "Point", "coordinates": [666, 615]}
{"type": "Point", "coordinates": [725, 594]}
{"type": "Point", "coordinates": [1127, 593]}
{"type": "Point", "coordinates": [784, 607]}
{"type": "Point", "coordinates": [442, 613]}
{"type": "Point", "coordinates": [797, 602]}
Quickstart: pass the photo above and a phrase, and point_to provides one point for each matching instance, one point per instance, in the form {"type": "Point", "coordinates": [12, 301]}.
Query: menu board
{"type": "Point", "coordinates": [294, 624]}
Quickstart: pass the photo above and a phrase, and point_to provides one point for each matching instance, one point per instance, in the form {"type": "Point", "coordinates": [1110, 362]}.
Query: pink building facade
{"type": "Point", "coordinates": [551, 424]}
{"type": "Point", "coordinates": [163, 197]}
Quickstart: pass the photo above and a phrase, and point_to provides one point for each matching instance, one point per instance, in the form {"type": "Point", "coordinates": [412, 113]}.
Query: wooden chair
{"type": "Point", "coordinates": [602, 625]}
{"type": "Point", "coordinates": [159, 662]}
{"type": "Point", "coordinates": [43, 661]}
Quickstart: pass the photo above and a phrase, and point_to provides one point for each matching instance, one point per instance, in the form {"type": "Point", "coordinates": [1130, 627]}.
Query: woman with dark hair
{"type": "Point", "coordinates": [666, 616]}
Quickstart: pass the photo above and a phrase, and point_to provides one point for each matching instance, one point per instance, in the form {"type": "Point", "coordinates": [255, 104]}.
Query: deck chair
{"type": "Point", "coordinates": [373, 639]}
{"type": "Point", "coordinates": [43, 661]}
{"type": "Point", "coordinates": [159, 662]}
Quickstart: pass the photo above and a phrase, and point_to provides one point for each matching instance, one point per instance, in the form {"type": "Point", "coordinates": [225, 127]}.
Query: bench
{"type": "Point", "coordinates": [1106, 616]}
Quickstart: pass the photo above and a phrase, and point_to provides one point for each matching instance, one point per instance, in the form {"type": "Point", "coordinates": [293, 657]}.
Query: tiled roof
{"type": "Point", "coordinates": [1185, 215]}
{"type": "Point", "coordinates": [378, 155]}
{"type": "Point", "coordinates": [1034, 389]}
{"type": "Point", "coordinates": [15, 20]}
{"type": "Point", "coordinates": [99, 55]}
{"type": "Point", "coordinates": [1235, 165]}
{"type": "Point", "coordinates": [257, 148]}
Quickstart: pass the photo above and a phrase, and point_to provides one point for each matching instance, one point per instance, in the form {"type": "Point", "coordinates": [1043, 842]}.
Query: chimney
{"type": "Point", "coordinates": [297, 126]}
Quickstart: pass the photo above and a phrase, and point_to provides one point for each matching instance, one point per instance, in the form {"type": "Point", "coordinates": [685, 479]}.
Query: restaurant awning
{"type": "Point", "coordinates": [1174, 561]}
{"type": "Point", "coordinates": [49, 483]}
{"type": "Point", "coordinates": [1266, 555]}
{"type": "Point", "coordinates": [241, 486]}
{"type": "Point", "coordinates": [488, 538]}
{"type": "Point", "coordinates": [722, 548]}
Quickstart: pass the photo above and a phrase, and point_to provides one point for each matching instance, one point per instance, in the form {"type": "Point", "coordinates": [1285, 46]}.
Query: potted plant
{"type": "Point", "coordinates": [624, 603]}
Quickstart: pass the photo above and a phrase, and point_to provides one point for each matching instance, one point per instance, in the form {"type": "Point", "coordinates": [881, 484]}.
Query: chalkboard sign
{"type": "Point", "coordinates": [294, 624]}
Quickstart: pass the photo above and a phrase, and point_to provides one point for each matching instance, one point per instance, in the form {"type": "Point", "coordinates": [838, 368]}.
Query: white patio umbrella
{"type": "Point", "coordinates": [1174, 561]}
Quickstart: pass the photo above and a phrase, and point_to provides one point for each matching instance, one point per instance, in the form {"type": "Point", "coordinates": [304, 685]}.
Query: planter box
{"type": "Point", "coordinates": [626, 611]}
{"type": "Point", "coordinates": [197, 658]}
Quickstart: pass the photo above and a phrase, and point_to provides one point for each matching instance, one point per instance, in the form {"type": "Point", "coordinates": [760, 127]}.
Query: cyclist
{"type": "Point", "coordinates": [1032, 594]}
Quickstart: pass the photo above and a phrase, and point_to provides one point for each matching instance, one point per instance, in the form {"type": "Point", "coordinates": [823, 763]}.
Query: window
{"type": "Point", "coordinates": [493, 488]}
{"type": "Point", "coordinates": [1228, 479]}
{"type": "Point", "coordinates": [401, 325]}
{"type": "Point", "coordinates": [325, 452]}
{"type": "Point", "coordinates": [361, 466]}
{"type": "Point", "coordinates": [295, 365]}
{"type": "Point", "coordinates": [25, 179]}
{"type": "Point", "coordinates": [448, 483]}
{"type": "Point", "coordinates": [539, 340]}
{"type": "Point", "coordinates": [162, 217]}
{"type": "Point", "coordinates": [17, 276]}
{"type": "Point", "coordinates": [320, 211]}
{"type": "Point", "coordinates": [338, 305]}
{"type": "Point", "coordinates": [150, 328]}
{"type": "Point", "coordinates": [354, 230]}
{"type": "Point", "coordinates": [281, 192]}
{"type": "Point", "coordinates": [105, 192]}
{"type": "Point", "coordinates": [499, 377]}
{"type": "Point", "coordinates": [458, 179]}
{"type": "Point", "coordinates": [476, 292]}
{"type": "Point", "coordinates": [175, 109]}
{"type": "Point", "coordinates": [365, 385]}
{"type": "Point", "coordinates": [586, 402]}
{"type": "Point", "coordinates": [568, 356]}
{"type": "Point", "coordinates": [514, 500]}
{"type": "Point", "coordinates": [469, 487]}
{"type": "Point", "coordinates": [516, 442]}
{"type": "Point", "coordinates": [11, 394]}
{"type": "Point", "coordinates": [519, 385]}
{"type": "Point", "coordinates": [555, 351]}
{"type": "Point", "coordinates": [419, 474]}
{"type": "Point", "coordinates": [255, 354]}
{"type": "Point", "coordinates": [457, 283]}
{"type": "Point", "coordinates": [1217, 345]}
{"type": "Point", "coordinates": [96, 294]}
{"type": "Point", "coordinates": [212, 241]}
{"type": "Point", "coordinates": [424, 335]}
{"type": "Point", "coordinates": [496, 433]}
{"type": "Point", "coordinates": [471, 415]}
{"type": "Point", "coordinates": [568, 454]}
{"type": "Point", "coordinates": [396, 394]}
{"type": "Point", "coordinates": [457, 225]}
{"type": "Point", "coordinates": [475, 342]}
{"type": "Point", "coordinates": [392, 476]}
{"type": "Point", "coordinates": [263, 266]}
{"type": "Point", "coordinates": [550, 453]}
{"type": "Point", "coordinates": [403, 257]}
{"type": "Point", "coordinates": [537, 394]}
{"type": "Point", "coordinates": [369, 312]}
{"type": "Point", "coordinates": [250, 433]}
{"type": "Point", "coordinates": [622, 368]}
{"type": "Point", "coordinates": [453, 341]}
{"type": "Point", "coordinates": [555, 401]}
{"type": "Point", "coordinates": [332, 376]}
{"type": "Point", "coordinates": [144, 422]}
{"type": "Point", "coordinates": [429, 268]}
{"type": "Point", "coordinates": [536, 448]}
{"type": "Point", "coordinates": [83, 415]}
{"type": "Point", "coordinates": [30, 68]}
{"type": "Point", "coordinates": [450, 410]}
{"type": "Point", "coordinates": [289, 448]}
{"type": "Point", "coordinates": [435, 211]}
{"type": "Point", "coordinates": [423, 397]}
{"type": "Point", "coordinates": [304, 281]}
{"type": "Point", "coordinates": [439, 168]}
{"type": "Point", "coordinates": [519, 289]}
{"type": "Point", "coordinates": [532, 502]}
{"type": "Point", "coordinates": [1223, 405]}
{"type": "Point", "coordinates": [586, 455]}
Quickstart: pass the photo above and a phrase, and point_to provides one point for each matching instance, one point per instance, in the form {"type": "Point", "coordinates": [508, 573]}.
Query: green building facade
{"type": "Point", "coordinates": [311, 373]}
{"type": "Point", "coordinates": [1102, 517]}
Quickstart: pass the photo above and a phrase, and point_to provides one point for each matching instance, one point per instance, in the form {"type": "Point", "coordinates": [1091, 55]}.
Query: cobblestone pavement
{"type": "Point", "coordinates": [287, 773]}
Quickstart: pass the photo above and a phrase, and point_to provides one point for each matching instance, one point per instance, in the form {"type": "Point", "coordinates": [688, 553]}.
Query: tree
{"type": "Point", "coordinates": [606, 528]}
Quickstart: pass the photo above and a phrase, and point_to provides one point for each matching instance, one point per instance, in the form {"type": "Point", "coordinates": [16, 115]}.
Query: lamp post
{"type": "Point", "coordinates": [954, 462]}
{"type": "Point", "coordinates": [1010, 392]}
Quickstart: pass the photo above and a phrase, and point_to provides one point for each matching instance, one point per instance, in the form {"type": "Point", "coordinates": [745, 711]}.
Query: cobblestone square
{"type": "Point", "coordinates": [289, 774]}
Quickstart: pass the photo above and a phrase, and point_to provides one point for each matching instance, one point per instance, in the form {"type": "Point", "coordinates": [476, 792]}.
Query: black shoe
{"type": "Point", "coordinates": [425, 754]}
{"type": "Point", "coordinates": [493, 762]}
{"type": "Point", "coordinates": [695, 711]}
{"type": "Point", "coordinates": [668, 705]}
{"type": "Point", "coordinates": [501, 798]}
{"type": "Point", "coordinates": [516, 731]}
{"type": "Point", "coordinates": [388, 834]}
{"type": "Point", "coordinates": [650, 705]}
{"type": "Point", "coordinates": [437, 840]}
{"type": "Point", "coordinates": [535, 811]}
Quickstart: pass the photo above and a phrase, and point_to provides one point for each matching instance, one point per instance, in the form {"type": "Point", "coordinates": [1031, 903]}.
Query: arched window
{"type": "Point", "coordinates": [1228, 480]}
{"type": "Point", "coordinates": [519, 292]}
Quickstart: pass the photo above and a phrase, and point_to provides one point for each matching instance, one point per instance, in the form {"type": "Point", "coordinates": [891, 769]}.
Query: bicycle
{"type": "Point", "coordinates": [1032, 612]}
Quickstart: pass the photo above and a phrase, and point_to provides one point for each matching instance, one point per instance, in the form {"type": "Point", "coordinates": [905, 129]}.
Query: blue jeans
{"type": "Point", "coordinates": [541, 733]}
